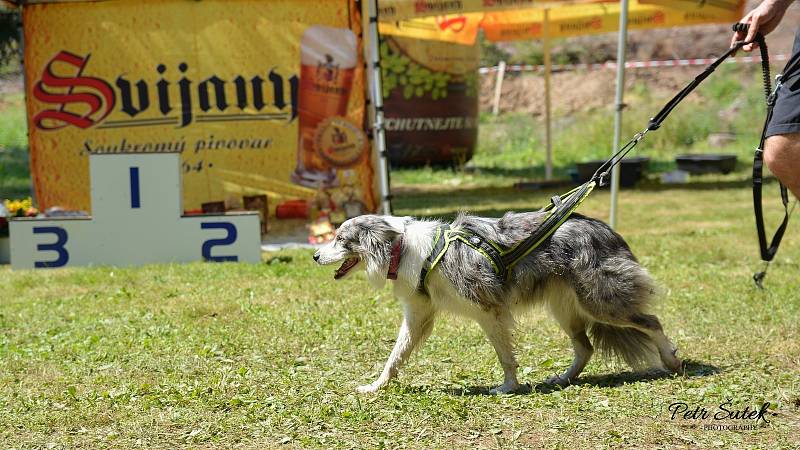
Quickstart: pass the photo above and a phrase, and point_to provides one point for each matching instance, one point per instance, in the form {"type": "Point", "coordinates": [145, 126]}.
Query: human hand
{"type": "Point", "coordinates": [763, 19]}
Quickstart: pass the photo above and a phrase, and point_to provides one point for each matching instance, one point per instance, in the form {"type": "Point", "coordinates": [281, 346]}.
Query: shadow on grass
{"type": "Point", "coordinates": [692, 369]}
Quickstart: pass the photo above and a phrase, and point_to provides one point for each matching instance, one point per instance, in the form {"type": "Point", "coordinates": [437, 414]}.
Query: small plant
{"type": "Point", "coordinates": [15, 208]}
{"type": "Point", "coordinates": [20, 208]}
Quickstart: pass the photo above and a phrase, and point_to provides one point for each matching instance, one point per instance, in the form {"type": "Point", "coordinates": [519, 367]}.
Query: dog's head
{"type": "Point", "coordinates": [363, 241]}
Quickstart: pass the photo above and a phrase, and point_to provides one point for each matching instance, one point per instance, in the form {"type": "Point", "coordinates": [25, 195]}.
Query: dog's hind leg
{"type": "Point", "coordinates": [614, 293]}
{"type": "Point", "coordinates": [416, 327]}
{"type": "Point", "coordinates": [650, 325]}
{"type": "Point", "coordinates": [565, 312]}
{"type": "Point", "coordinates": [498, 324]}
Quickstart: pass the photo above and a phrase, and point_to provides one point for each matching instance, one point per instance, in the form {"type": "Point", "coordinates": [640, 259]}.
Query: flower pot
{"type": "Point", "coordinates": [631, 170]}
{"type": "Point", "coordinates": [711, 163]}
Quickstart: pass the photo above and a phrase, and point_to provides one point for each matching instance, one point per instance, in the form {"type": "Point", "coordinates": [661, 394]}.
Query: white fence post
{"type": "Point", "coordinates": [498, 87]}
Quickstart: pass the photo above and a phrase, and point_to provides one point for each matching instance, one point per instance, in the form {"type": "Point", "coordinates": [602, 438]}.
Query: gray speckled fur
{"type": "Point", "coordinates": [594, 260]}
{"type": "Point", "coordinates": [585, 273]}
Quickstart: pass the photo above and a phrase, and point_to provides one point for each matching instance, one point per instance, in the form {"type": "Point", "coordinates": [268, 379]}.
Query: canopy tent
{"type": "Point", "coordinates": [459, 21]}
{"type": "Point", "coordinates": [562, 21]}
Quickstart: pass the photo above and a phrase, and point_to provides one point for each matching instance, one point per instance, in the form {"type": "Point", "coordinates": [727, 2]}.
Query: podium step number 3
{"type": "Point", "coordinates": [137, 219]}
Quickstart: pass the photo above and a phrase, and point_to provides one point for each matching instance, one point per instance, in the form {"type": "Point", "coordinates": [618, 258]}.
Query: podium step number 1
{"type": "Point", "coordinates": [137, 219]}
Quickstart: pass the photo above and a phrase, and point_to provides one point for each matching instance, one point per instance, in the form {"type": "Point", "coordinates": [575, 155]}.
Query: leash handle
{"type": "Point", "coordinates": [768, 249]}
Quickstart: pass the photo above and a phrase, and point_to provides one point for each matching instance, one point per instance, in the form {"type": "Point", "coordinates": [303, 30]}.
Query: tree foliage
{"type": "Point", "coordinates": [9, 36]}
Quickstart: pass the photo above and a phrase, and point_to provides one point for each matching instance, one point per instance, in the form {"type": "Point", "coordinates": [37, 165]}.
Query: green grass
{"type": "Point", "coordinates": [14, 170]}
{"type": "Point", "coordinates": [511, 147]}
{"type": "Point", "coordinates": [253, 356]}
{"type": "Point", "coordinates": [223, 355]}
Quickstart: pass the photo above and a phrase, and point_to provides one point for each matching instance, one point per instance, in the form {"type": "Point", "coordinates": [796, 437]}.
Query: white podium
{"type": "Point", "coordinates": [137, 219]}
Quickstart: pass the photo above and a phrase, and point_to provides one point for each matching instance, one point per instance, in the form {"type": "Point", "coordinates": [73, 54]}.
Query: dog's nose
{"type": "Point", "coordinates": [316, 256]}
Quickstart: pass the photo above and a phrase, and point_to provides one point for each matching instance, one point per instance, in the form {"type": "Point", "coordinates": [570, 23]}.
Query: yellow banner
{"type": "Point", "coordinates": [729, 5]}
{"type": "Point", "coordinates": [259, 97]}
{"type": "Point", "coordinates": [576, 20]}
{"type": "Point", "coordinates": [393, 10]}
{"type": "Point", "coordinates": [565, 20]}
{"type": "Point", "coordinates": [457, 28]}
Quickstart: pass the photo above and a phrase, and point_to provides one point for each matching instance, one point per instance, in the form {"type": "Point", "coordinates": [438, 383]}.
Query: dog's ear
{"type": "Point", "coordinates": [377, 238]}
{"type": "Point", "coordinates": [398, 224]}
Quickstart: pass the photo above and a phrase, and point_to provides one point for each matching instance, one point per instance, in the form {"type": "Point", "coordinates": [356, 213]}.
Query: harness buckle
{"type": "Point", "coordinates": [601, 180]}
{"type": "Point", "coordinates": [773, 96]}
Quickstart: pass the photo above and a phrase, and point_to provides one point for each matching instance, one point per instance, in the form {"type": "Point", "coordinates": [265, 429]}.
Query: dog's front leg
{"type": "Point", "coordinates": [416, 327]}
{"type": "Point", "coordinates": [498, 325]}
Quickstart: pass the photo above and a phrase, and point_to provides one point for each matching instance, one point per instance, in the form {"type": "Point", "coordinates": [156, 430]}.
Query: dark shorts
{"type": "Point", "coordinates": [786, 115]}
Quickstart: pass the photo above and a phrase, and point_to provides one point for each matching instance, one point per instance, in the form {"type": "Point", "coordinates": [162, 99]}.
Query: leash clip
{"type": "Point", "coordinates": [758, 277]}
{"type": "Point", "coordinates": [774, 94]}
{"type": "Point", "coordinates": [601, 181]}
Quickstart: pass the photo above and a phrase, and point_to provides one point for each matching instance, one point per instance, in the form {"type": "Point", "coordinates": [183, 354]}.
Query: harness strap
{"type": "Point", "coordinates": [503, 260]}
{"type": "Point", "coordinates": [559, 212]}
{"type": "Point", "coordinates": [486, 248]}
{"type": "Point", "coordinates": [438, 250]}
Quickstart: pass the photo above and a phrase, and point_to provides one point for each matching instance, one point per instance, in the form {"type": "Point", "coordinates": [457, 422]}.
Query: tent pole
{"type": "Point", "coordinates": [548, 137]}
{"type": "Point", "coordinates": [618, 105]}
{"type": "Point", "coordinates": [369, 15]}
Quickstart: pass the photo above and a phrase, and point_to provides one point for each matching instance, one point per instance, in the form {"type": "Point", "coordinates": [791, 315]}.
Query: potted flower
{"type": "Point", "coordinates": [8, 210]}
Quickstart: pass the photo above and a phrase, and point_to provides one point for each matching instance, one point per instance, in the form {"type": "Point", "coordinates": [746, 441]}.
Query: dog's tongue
{"type": "Point", "coordinates": [348, 264]}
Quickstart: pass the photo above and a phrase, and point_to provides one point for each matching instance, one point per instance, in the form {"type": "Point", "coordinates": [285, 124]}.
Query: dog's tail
{"type": "Point", "coordinates": [631, 345]}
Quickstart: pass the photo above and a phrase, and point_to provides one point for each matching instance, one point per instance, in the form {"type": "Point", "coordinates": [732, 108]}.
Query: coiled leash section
{"type": "Point", "coordinates": [768, 249]}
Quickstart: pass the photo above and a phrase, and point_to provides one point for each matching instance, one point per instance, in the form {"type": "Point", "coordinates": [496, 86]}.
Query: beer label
{"type": "Point", "coordinates": [339, 142]}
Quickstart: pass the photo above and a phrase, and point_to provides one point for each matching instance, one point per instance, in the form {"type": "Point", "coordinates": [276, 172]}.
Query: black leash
{"type": "Point", "coordinates": [655, 122]}
{"type": "Point", "coordinates": [768, 250]}
{"type": "Point", "coordinates": [562, 206]}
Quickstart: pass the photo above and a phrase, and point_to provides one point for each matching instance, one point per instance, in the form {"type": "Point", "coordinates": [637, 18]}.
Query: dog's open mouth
{"type": "Point", "coordinates": [348, 264]}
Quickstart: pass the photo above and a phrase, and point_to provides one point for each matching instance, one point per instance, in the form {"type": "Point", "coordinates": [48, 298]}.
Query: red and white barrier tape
{"type": "Point", "coordinates": [630, 64]}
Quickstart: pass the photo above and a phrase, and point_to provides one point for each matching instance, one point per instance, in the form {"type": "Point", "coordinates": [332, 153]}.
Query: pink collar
{"type": "Point", "coordinates": [394, 262]}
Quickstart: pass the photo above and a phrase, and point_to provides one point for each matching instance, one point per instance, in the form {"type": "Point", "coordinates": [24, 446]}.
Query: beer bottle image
{"type": "Point", "coordinates": [328, 58]}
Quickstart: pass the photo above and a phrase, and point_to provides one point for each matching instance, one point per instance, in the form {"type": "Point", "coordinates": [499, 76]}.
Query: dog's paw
{"type": "Point", "coordinates": [505, 388]}
{"type": "Point", "coordinates": [673, 364]}
{"type": "Point", "coordinates": [558, 380]}
{"type": "Point", "coordinates": [677, 366]}
{"type": "Point", "coordinates": [368, 388]}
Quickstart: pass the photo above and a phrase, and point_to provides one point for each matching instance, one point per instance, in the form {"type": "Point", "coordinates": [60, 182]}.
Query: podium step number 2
{"type": "Point", "coordinates": [136, 219]}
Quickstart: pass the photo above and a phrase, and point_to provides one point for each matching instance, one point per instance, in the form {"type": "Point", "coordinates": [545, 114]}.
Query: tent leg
{"type": "Point", "coordinates": [548, 136]}
{"type": "Point", "coordinates": [618, 105]}
{"type": "Point", "coordinates": [369, 16]}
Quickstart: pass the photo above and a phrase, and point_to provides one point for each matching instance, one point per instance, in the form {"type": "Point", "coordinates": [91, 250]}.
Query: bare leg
{"type": "Point", "coordinates": [416, 327]}
{"type": "Point", "coordinates": [575, 327]}
{"type": "Point", "coordinates": [782, 156]}
{"type": "Point", "coordinates": [498, 325]}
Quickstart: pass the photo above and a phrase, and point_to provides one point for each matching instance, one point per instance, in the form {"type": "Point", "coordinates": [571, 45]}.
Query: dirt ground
{"type": "Point", "coordinates": [581, 90]}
